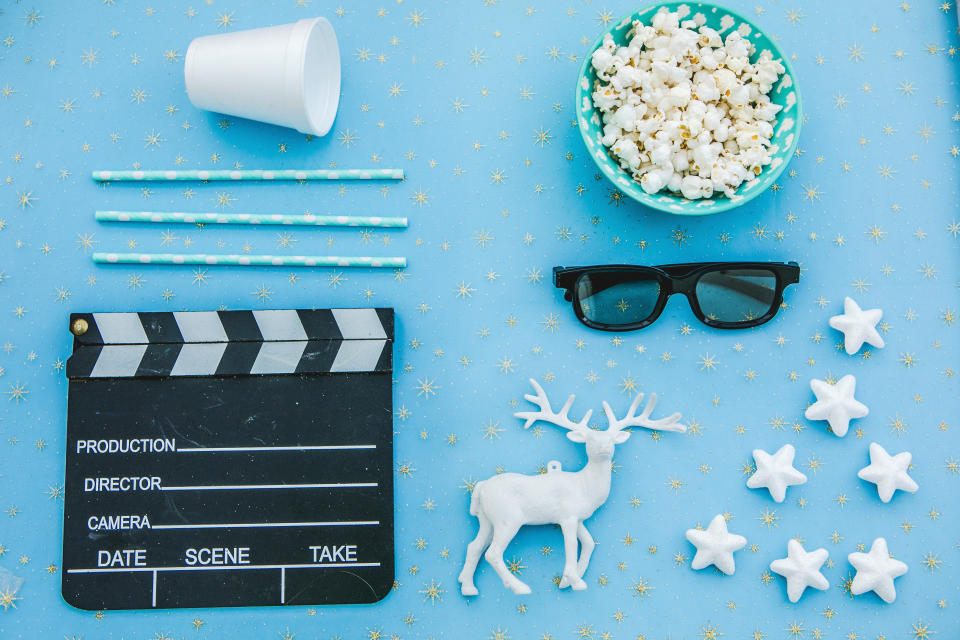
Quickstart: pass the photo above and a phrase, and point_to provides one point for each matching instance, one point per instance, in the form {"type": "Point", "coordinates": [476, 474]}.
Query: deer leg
{"type": "Point", "coordinates": [586, 549]}
{"type": "Point", "coordinates": [570, 575]}
{"type": "Point", "coordinates": [502, 535]}
{"type": "Point", "coordinates": [474, 549]}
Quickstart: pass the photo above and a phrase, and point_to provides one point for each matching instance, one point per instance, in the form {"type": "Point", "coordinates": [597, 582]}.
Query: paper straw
{"type": "Point", "coordinates": [308, 219]}
{"type": "Point", "coordinates": [242, 260]}
{"type": "Point", "coordinates": [249, 174]}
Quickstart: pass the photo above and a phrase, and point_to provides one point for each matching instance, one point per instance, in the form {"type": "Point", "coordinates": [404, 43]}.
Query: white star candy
{"type": "Point", "coordinates": [715, 546]}
{"type": "Point", "coordinates": [876, 571]}
{"type": "Point", "coordinates": [858, 326]}
{"type": "Point", "coordinates": [775, 472]}
{"type": "Point", "coordinates": [801, 568]}
{"type": "Point", "coordinates": [836, 404]}
{"type": "Point", "coordinates": [888, 472]}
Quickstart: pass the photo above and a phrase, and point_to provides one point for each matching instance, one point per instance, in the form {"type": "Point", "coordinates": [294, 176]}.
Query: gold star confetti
{"type": "Point", "coordinates": [8, 598]}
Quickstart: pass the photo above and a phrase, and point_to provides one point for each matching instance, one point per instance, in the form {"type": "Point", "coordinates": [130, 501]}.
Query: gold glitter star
{"type": "Point", "coordinates": [8, 598]}
{"type": "Point", "coordinates": [263, 293]}
{"type": "Point", "coordinates": [416, 18]}
{"type": "Point", "coordinates": [25, 199]}
{"type": "Point", "coordinates": [921, 630]}
{"type": "Point", "coordinates": [465, 290]}
{"type": "Point", "coordinates": [477, 57]}
{"type": "Point", "coordinates": [768, 518]}
{"type": "Point", "coordinates": [675, 484]}
{"type": "Point", "coordinates": [431, 592]}
{"type": "Point", "coordinates": [796, 629]}
{"type": "Point", "coordinates": [641, 588]}
{"type": "Point", "coordinates": [421, 197]}
{"type": "Point", "coordinates": [225, 20]}
{"type": "Point", "coordinates": [426, 387]}
{"type": "Point", "coordinates": [931, 561]}
{"type": "Point", "coordinates": [604, 17]}
{"type": "Point", "coordinates": [680, 237]}
{"type": "Point", "coordinates": [551, 322]}
{"type": "Point", "coordinates": [491, 430]}
{"type": "Point", "coordinates": [710, 632]}
{"type": "Point", "coordinates": [897, 425]}
{"type": "Point", "coordinates": [17, 393]}
{"type": "Point", "coordinates": [708, 362]}
{"type": "Point", "coordinates": [542, 136]}
{"type": "Point", "coordinates": [812, 192]}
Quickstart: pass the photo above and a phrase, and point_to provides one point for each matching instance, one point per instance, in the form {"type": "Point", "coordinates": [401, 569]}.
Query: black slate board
{"type": "Point", "coordinates": [268, 488]}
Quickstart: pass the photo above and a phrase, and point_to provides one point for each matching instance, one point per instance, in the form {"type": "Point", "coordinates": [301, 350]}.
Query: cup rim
{"type": "Point", "coordinates": [320, 40]}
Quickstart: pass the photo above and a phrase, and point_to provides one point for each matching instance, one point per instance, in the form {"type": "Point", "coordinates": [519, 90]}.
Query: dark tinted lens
{"type": "Point", "coordinates": [617, 297]}
{"type": "Point", "coordinates": [736, 295]}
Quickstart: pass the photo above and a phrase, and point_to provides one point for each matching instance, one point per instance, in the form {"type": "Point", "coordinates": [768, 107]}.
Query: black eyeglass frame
{"type": "Point", "coordinates": [677, 278]}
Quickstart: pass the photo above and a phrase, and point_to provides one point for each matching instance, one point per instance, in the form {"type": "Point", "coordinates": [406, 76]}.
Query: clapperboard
{"type": "Point", "coordinates": [229, 458]}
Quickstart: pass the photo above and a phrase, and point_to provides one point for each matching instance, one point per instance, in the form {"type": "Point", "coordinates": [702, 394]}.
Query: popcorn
{"type": "Point", "coordinates": [682, 106]}
{"type": "Point", "coordinates": [626, 117]}
{"type": "Point", "coordinates": [628, 152]}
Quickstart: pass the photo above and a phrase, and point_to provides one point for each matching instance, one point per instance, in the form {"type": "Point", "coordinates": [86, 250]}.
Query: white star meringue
{"type": "Point", "coordinates": [836, 404]}
{"type": "Point", "coordinates": [858, 326]}
{"type": "Point", "coordinates": [715, 546]}
{"type": "Point", "coordinates": [775, 472]}
{"type": "Point", "coordinates": [888, 472]}
{"type": "Point", "coordinates": [801, 568]}
{"type": "Point", "coordinates": [876, 571]}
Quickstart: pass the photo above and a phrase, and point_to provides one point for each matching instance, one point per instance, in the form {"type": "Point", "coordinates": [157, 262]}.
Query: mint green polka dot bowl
{"type": "Point", "coordinates": [784, 93]}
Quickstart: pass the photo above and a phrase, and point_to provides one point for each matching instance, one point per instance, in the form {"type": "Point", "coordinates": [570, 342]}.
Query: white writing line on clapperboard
{"type": "Point", "coordinates": [324, 447]}
{"type": "Point", "coordinates": [243, 487]}
{"type": "Point", "coordinates": [255, 525]}
{"type": "Point", "coordinates": [153, 483]}
{"type": "Point", "coordinates": [169, 445]}
{"type": "Point", "coordinates": [125, 522]}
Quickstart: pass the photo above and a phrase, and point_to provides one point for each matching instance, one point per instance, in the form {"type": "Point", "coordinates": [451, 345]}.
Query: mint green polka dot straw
{"type": "Point", "coordinates": [242, 260]}
{"type": "Point", "coordinates": [247, 174]}
{"type": "Point", "coordinates": [307, 219]}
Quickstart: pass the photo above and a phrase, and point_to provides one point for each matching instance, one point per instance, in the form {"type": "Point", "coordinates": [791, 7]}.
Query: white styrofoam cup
{"type": "Point", "coordinates": [287, 75]}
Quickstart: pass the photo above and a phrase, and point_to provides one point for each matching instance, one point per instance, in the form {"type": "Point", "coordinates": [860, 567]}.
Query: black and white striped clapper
{"type": "Point", "coordinates": [229, 458]}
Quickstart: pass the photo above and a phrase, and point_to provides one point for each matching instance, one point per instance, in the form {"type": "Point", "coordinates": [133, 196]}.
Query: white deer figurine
{"type": "Point", "coordinates": [507, 501]}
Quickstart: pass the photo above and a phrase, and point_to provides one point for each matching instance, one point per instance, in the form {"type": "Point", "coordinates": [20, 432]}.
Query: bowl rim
{"type": "Point", "coordinates": [649, 200]}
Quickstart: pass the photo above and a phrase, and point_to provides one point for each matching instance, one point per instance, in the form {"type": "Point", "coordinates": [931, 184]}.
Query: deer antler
{"type": "Point", "coordinates": [547, 414]}
{"type": "Point", "coordinates": [670, 423]}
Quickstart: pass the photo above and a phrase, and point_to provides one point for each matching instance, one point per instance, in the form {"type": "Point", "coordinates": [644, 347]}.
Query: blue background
{"type": "Point", "coordinates": [454, 92]}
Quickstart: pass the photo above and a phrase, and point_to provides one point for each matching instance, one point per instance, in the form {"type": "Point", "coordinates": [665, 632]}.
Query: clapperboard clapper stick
{"type": "Point", "coordinates": [229, 458]}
